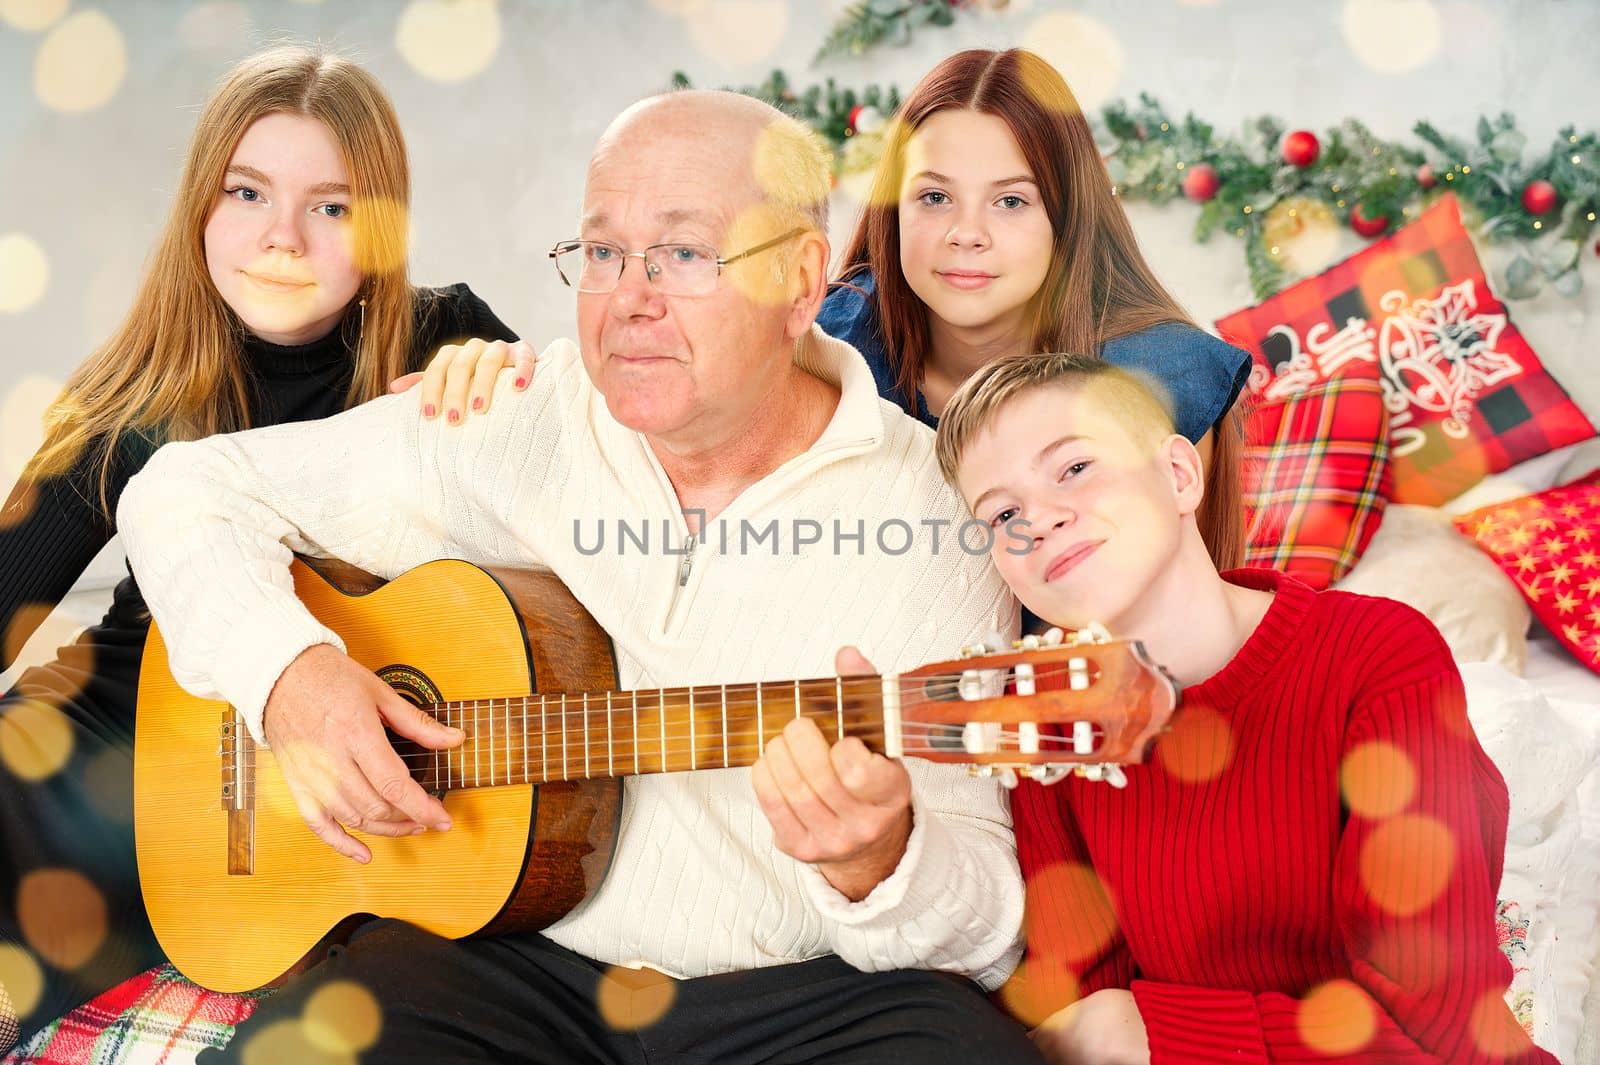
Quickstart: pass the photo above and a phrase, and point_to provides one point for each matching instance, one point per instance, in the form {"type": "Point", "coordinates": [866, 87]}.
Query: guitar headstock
{"type": "Point", "coordinates": [1044, 708]}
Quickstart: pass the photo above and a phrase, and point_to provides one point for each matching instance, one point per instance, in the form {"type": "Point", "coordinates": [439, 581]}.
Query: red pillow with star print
{"type": "Point", "coordinates": [1466, 395]}
{"type": "Point", "coordinates": [1549, 544]}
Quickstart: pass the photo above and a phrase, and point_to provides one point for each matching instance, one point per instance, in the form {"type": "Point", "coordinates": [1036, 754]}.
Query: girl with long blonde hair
{"type": "Point", "coordinates": [277, 291]}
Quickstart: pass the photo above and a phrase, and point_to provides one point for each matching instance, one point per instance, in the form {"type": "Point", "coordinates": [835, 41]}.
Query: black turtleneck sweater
{"type": "Point", "coordinates": [62, 527]}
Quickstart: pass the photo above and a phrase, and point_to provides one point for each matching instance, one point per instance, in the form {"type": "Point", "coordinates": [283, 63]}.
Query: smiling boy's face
{"type": "Point", "coordinates": [1097, 489]}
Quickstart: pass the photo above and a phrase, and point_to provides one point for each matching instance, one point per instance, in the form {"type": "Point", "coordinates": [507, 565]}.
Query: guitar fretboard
{"type": "Point", "coordinates": [538, 738]}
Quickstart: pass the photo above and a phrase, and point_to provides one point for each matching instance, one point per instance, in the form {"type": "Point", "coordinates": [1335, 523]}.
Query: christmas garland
{"type": "Point", "coordinates": [1276, 189]}
{"type": "Point", "coordinates": [1285, 191]}
{"type": "Point", "coordinates": [873, 22]}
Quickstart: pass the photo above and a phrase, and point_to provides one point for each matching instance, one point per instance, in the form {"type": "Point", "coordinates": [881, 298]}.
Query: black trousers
{"type": "Point", "coordinates": [77, 820]}
{"type": "Point", "coordinates": [523, 998]}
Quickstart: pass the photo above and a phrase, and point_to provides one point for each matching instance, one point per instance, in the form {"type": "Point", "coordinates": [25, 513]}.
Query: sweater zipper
{"type": "Point", "coordinates": [687, 563]}
{"type": "Point", "coordinates": [680, 597]}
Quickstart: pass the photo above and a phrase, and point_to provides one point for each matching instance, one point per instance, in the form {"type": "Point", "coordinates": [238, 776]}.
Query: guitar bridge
{"type": "Point", "coordinates": [237, 757]}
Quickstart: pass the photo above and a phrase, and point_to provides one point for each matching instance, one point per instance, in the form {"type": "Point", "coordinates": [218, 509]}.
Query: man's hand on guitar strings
{"type": "Point", "coordinates": [325, 723]}
{"type": "Point", "coordinates": [842, 808]}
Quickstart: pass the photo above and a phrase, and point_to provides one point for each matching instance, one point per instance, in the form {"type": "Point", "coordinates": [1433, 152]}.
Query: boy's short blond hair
{"type": "Point", "coordinates": [977, 403]}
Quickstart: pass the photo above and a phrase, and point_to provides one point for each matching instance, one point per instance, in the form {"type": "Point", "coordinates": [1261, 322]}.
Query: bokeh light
{"type": "Point", "coordinates": [630, 999]}
{"type": "Point", "coordinates": [790, 163]}
{"type": "Point", "coordinates": [1093, 924]}
{"type": "Point", "coordinates": [24, 272]}
{"type": "Point", "coordinates": [289, 1040]}
{"type": "Point", "coordinates": [108, 780]}
{"type": "Point", "coordinates": [62, 915]}
{"type": "Point", "coordinates": [1337, 1018]}
{"type": "Point", "coordinates": [1040, 987]}
{"type": "Point", "coordinates": [22, 422]}
{"type": "Point", "coordinates": [1302, 233]}
{"type": "Point", "coordinates": [81, 63]}
{"type": "Point", "coordinates": [224, 26]}
{"type": "Point", "coordinates": [1083, 50]}
{"type": "Point", "coordinates": [342, 1017]}
{"type": "Point", "coordinates": [1392, 36]}
{"type": "Point", "coordinates": [31, 16]}
{"type": "Point", "coordinates": [35, 738]}
{"type": "Point", "coordinates": [1494, 1028]}
{"type": "Point", "coordinates": [449, 41]}
{"type": "Point", "coordinates": [21, 977]}
{"type": "Point", "coordinates": [1199, 747]}
{"type": "Point", "coordinates": [737, 32]}
{"type": "Point", "coordinates": [1377, 779]}
{"type": "Point", "coordinates": [1406, 863]}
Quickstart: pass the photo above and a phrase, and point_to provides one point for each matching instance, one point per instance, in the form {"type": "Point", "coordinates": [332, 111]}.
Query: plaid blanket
{"type": "Point", "coordinates": [156, 1018]}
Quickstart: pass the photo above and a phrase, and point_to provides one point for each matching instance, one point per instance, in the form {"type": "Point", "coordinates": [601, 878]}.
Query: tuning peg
{"type": "Point", "coordinates": [1047, 774]}
{"type": "Point", "coordinates": [1053, 636]}
{"type": "Point", "coordinates": [972, 650]}
{"type": "Point", "coordinates": [1105, 772]}
{"type": "Point", "coordinates": [994, 643]}
{"type": "Point", "coordinates": [1094, 632]}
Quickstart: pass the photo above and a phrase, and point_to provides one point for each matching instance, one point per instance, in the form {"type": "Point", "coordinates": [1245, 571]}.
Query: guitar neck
{"type": "Point", "coordinates": [538, 738]}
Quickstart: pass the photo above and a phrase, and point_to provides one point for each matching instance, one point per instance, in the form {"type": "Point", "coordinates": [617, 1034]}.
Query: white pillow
{"type": "Point", "coordinates": [1418, 558]}
{"type": "Point", "coordinates": [1547, 750]}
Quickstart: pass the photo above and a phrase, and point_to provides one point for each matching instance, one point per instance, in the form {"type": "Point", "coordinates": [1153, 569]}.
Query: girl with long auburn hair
{"type": "Point", "coordinates": [277, 292]}
{"type": "Point", "coordinates": [992, 229]}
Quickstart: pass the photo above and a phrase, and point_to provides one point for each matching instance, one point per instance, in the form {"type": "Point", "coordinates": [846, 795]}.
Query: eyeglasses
{"type": "Point", "coordinates": [674, 269]}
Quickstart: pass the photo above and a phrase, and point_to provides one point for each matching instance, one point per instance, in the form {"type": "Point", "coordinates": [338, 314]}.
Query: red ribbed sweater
{"type": "Point", "coordinates": [1258, 913]}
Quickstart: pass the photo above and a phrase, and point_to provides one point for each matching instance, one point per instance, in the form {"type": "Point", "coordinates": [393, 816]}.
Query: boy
{"type": "Point", "coordinates": [1306, 869]}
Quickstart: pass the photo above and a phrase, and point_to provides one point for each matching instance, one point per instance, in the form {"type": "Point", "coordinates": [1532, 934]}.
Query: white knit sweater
{"type": "Point", "coordinates": [696, 885]}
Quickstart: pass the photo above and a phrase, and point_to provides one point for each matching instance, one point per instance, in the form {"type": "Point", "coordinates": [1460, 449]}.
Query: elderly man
{"type": "Point", "coordinates": [828, 905]}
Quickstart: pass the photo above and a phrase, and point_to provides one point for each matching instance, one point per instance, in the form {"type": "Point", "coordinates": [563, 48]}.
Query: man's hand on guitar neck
{"type": "Point", "coordinates": [842, 808]}
{"type": "Point", "coordinates": [325, 723]}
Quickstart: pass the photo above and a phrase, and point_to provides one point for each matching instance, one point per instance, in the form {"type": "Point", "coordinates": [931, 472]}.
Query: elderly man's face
{"type": "Point", "coordinates": [682, 366]}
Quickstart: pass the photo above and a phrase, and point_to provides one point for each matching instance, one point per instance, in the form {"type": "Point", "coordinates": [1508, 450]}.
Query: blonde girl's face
{"type": "Point", "coordinates": [280, 245]}
{"type": "Point", "coordinates": [975, 240]}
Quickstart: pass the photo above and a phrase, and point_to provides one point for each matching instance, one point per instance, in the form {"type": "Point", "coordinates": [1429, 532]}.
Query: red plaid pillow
{"type": "Point", "coordinates": [1466, 395]}
{"type": "Point", "coordinates": [1549, 544]}
{"type": "Point", "coordinates": [1316, 478]}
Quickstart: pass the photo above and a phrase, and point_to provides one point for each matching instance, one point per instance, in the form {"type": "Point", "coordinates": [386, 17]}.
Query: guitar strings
{"type": "Point", "coordinates": [590, 733]}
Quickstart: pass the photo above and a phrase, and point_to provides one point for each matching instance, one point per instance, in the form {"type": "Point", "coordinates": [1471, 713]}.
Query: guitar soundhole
{"type": "Point", "coordinates": [415, 687]}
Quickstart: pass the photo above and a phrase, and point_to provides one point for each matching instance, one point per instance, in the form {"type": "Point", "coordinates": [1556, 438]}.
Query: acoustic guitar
{"type": "Point", "coordinates": [240, 892]}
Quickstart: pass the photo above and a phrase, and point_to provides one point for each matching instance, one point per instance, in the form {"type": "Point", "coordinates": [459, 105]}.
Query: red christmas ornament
{"type": "Point", "coordinates": [1539, 197]}
{"type": "Point", "coordinates": [1301, 148]}
{"type": "Point", "coordinates": [1366, 225]}
{"type": "Point", "coordinates": [1201, 182]}
{"type": "Point", "coordinates": [1426, 177]}
{"type": "Point", "coordinates": [855, 113]}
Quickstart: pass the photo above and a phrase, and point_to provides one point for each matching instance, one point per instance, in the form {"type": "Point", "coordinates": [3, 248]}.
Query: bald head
{"type": "Point", "coordinates": [760, 155]}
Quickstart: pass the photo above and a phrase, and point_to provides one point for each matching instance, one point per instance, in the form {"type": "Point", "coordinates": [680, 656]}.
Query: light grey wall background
{"type": "Point", "coordinates": [498, 154]}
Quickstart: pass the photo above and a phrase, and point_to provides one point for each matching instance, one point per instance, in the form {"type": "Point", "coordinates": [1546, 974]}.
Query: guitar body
{"type": "Point", "coordinates": [238, 889]}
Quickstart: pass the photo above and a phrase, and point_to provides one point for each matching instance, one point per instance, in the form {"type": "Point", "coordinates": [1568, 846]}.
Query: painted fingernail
{"type": "Point", "coordinates": [522, 382]}
{"type": "Point", "coordinates": [477, 402]}
{"type": "Point", "coordinates": [455, 416]}
{"type": "Point", "coordinates": [427, 411]}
